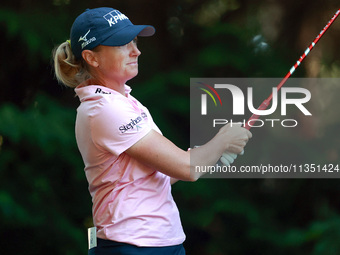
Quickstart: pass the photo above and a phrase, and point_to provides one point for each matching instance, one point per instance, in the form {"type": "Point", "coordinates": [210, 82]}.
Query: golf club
{"type": "Point", "coordinates": [266, 102]}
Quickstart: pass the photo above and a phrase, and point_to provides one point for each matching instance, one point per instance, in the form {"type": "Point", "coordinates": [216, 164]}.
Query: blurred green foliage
{"type": "Point", "coordinates": [44, 202]}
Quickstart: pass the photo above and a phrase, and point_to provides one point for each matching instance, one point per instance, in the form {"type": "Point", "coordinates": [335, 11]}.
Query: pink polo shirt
{"type": "Point", "coordinates": [132, 203]}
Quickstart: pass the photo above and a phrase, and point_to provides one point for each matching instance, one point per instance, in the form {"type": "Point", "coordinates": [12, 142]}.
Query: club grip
{"type": "Point", "coordinates": [254, 117]}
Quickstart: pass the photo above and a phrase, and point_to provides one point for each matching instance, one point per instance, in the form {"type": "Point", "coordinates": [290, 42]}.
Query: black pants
{"type": "Point", "coordinates": [108, 247]}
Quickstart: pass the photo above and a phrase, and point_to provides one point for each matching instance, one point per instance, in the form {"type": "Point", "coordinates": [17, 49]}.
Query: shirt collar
{"type": "Point", "coordinates": [88, 88]}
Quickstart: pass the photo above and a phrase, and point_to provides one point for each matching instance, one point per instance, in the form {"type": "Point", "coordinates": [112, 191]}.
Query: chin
{"type": "Point", "coordinates": [133, 76]}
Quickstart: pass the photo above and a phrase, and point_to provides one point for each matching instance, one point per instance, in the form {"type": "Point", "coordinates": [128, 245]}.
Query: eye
{"type": "Point", "coordinates": [135, 41]}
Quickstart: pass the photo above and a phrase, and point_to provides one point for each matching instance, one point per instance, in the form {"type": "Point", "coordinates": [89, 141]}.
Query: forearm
{"type": "Point", "coordinates": [159, 153]}
{"type": "Point", "coordinates": [206, 155]}
{"type": "Point", "coordinates": [228, 138]}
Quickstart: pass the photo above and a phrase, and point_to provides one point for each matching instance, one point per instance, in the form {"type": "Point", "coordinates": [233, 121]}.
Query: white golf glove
{"type": "Point", "coordinates": [228, 158]}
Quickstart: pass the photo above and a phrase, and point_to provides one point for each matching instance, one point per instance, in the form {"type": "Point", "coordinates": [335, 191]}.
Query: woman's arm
{"type": "Point", "coordinates": [160, 153]}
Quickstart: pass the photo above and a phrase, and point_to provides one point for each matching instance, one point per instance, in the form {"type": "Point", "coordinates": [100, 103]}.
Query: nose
{"type": "Point", "coordinates": [134, 49]}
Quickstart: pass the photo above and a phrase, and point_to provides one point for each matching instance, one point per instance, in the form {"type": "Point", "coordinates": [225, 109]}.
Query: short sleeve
{"type": "Point", "coordinates": [116, 126]}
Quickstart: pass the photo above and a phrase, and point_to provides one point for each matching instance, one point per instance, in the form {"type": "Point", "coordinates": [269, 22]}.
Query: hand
{"type": "Point", "coordinates": [235, 137]}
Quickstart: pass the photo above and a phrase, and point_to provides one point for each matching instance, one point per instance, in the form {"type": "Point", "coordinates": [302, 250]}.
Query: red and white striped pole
{"type": "Point", "coordinates": [266, 102]}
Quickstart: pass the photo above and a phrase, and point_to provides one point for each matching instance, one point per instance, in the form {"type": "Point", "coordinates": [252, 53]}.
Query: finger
{"type": "Point", "coordinates": [233, 155]}
{"type": "Point", "coordinates": [242, 153]}
{"type": "Point", "coordinates": [249, 134]}
{"type": "Point", "coordinates": [237, 149]}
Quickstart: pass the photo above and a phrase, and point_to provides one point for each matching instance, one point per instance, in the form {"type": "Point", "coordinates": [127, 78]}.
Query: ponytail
{"type": "Point", "coordinates": [68, 70]}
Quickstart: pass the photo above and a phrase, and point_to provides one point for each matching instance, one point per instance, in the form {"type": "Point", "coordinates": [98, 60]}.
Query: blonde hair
{"type": "Point", "coordinates": [68, 70]}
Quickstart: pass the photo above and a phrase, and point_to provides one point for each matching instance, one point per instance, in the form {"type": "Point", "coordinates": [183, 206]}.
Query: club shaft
{"type": "Point", "coordinates": [266, 102]}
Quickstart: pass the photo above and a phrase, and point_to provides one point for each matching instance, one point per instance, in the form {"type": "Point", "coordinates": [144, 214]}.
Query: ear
{"type": "Point", "coordinates": [90, 57]}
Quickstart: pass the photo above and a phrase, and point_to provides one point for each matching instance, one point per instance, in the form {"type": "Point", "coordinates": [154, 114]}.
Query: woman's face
{"type": "Point", "coordinates": [119, 63]}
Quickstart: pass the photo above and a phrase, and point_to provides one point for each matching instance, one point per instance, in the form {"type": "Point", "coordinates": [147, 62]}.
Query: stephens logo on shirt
{"type": "Point", "coordinates": [133, 124]}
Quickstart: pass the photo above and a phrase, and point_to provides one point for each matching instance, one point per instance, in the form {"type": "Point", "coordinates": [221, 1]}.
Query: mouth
{"type": "Point", "coordinates": [134, 63]}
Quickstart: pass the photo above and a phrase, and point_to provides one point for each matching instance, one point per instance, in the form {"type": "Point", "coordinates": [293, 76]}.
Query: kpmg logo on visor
{"type": "Point", "coordinates": [114, 17]}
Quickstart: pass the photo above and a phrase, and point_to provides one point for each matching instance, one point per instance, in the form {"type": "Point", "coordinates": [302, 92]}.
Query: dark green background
{"type": "Point", "coordinates": [45, 206]}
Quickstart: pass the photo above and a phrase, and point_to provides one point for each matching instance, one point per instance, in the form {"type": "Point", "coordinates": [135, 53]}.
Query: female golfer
{"type": "Point", "coordinates": [129, 165]}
